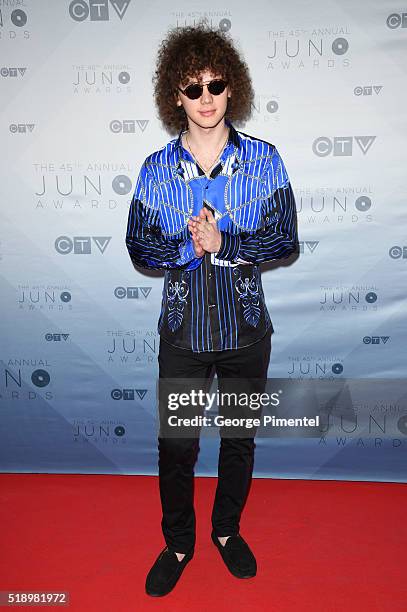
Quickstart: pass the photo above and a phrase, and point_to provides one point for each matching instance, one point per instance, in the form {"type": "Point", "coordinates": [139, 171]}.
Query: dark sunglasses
{"type": "Point", "coordinates": [195, 90]}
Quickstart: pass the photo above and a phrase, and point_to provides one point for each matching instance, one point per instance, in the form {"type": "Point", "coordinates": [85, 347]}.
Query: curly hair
{"type": "Point", "coordinates": [184, 54]}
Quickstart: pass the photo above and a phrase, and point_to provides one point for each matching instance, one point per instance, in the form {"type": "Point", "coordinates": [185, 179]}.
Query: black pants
{"type": "Point", "coordinates": [177, 456]}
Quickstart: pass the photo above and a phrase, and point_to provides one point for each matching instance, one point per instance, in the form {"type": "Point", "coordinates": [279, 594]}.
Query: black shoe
{"type": "Point", "coordinates": [164, 574]}
{"type": "Point", "coordinates": [237, 556]}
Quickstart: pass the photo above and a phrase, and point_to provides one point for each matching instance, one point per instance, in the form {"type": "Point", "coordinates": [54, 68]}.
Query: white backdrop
{"type": "Point", "coordinates": [78, 324]}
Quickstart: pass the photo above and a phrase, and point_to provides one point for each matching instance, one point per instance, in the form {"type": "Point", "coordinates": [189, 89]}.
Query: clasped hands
{"type": "Point", "coordinates": [205, 233]}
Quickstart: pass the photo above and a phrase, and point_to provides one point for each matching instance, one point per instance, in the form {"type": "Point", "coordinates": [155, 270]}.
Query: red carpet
{"type": "Point", "coordinates": [320, 545]}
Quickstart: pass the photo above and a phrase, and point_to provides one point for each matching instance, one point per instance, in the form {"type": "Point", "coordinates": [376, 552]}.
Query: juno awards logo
{"type": "Point", "coordinates": [97, 10]}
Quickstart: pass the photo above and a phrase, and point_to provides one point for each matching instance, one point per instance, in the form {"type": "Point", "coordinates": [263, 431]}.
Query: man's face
{"type": "Point", "coordinates": [208, 110]}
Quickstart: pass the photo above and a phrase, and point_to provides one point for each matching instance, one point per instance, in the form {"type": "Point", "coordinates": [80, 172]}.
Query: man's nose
{"type": "Point", "coordinates": [206, 97]}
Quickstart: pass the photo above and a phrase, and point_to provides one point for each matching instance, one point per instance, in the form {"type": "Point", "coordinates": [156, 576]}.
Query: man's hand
{"type": "Point", "coordinates": [199, 250]}
{"type": "Point", "coordinates": [205, 233]}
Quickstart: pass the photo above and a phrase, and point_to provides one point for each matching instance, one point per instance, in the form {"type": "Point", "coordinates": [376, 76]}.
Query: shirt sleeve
{"type": "Point", "coordinates": [278, 236]}
{"type": "Point", "coordinates": [147, 245]}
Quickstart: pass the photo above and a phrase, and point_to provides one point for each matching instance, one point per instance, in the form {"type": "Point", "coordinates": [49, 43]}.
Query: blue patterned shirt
{"type": "Point", "coordinates": [214, 302]}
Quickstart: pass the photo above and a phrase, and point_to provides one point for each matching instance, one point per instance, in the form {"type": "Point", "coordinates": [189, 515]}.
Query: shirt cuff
{"type": "Point", "coordinates": [187, 251]}
{"type": "Point", "coordinates": [229, 247]}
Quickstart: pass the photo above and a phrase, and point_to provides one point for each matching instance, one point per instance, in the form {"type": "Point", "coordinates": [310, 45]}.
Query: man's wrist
{"type": "Point", "coordinates": [230, 246]}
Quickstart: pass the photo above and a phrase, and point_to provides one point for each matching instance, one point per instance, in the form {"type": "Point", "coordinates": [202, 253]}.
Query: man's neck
{"type": "Point", "coordinates": [207, 139]}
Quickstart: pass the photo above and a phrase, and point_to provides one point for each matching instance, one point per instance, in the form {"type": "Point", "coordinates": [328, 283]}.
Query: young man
{"type": "Point", "coordinates": [209, 208]}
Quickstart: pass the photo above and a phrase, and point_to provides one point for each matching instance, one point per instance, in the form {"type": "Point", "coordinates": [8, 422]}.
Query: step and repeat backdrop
{"type": "Point", "coordinates": [78, 323]}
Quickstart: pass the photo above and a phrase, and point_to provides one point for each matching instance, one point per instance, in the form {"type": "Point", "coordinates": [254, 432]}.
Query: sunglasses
{"type": "Point", "coordinates": [195, 90]}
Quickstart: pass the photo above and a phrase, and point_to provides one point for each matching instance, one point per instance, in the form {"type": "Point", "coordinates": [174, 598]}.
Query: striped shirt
{"type": "Point", "coordinates": [214, 302]}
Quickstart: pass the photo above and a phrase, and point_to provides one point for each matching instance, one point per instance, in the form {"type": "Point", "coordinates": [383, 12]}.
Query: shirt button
{"type": "Point", "coordinates": [210, 275]}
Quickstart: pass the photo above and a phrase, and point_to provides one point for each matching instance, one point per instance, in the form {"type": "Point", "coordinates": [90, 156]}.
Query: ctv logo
{"type": "Point", "coordinates": [132, 293]}
{"type": "Point", "coordinates": [308, 245]}
{"type": "Point", "coordinates": [6, 71]}
{"type": "Point", "coordinates": [97, 10]}
{"type": "Point", "coordinates": [21, 128]}
{"type": "Point", "coordinates": [128, 394]}
{"type": "Point", "coordinates": [128, 126]}
{"type": "Point", "coordinates": [367, 90]}
{"type": "Point", "coordinates": [398, 252]}
{"type": "Point", "coordinates": [375, 339]}
{"type": "Point", "coordinates": [341, 145]}
{"type": "Point", "coordinates": [80, 245]}
{"type": "Point", "coordinates": [395, 20]}
{"type": "Point", "coordinates": [49, 337]}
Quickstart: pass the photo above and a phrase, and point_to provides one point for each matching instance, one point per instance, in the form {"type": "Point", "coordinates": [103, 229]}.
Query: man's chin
{"type": "Point", "coordinates": [208, 122]}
